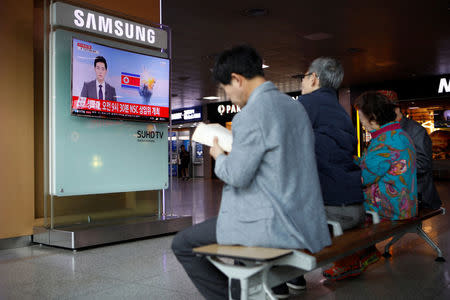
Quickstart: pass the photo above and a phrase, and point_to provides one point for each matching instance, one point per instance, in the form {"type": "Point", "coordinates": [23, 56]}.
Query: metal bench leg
{"type": "Point", "coordinates": [430, 242]}
{"type": "Point", "coordinates": [267, 289]}
{"type": "Point", "coordinates": [244, 289]}
{"type": "Point", "coordinates": [392, 242]}
{"type": "Point", "coordinates": [242, 273]}
{"type": "Point", "coordinates": [229, 288]}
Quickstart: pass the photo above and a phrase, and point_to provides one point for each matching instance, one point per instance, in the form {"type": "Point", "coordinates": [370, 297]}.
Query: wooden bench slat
{"type": "Point", "coordinates": [426, 213]}
{"type": "Point", "coordinates": [361, 237]}
{"type": "Point", "coordinates": [242, 252]}
{"type": "Point", "coordinates": [350, 241]}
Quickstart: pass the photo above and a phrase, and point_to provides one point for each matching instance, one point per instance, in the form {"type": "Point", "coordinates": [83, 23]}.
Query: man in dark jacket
{"type": "Point", "coordinates": [335, 142]}
{"type": "Point", "coordinates": [427, 194]}
{"type": "Point", "coordinates": [335, 145]}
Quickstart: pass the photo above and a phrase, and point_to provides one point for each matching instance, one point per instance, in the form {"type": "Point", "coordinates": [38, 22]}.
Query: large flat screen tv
{"type": "Point", "coordinates": [117, 84]}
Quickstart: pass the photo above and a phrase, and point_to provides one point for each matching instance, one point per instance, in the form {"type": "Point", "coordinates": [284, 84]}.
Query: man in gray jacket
{"type": "Point", "coordinates": [272, 195]}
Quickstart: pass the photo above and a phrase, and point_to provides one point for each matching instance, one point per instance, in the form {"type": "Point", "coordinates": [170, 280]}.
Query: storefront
{"type": "Point", "coordinates": [184, 122]}
{"type": "Point", "coordinates": [427, 101]}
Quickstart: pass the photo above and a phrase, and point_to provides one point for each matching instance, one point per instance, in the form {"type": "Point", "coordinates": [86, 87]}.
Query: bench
{"type": "Point", "coordinates": [263, 268]}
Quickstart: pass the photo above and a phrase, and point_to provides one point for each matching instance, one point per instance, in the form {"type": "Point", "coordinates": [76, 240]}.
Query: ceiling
{"type": "Point", "coordinates": [376, 40]}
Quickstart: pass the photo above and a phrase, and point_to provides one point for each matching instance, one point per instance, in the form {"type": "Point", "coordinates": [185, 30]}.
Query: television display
{"type": "Point", "coordinates": [118, 84]}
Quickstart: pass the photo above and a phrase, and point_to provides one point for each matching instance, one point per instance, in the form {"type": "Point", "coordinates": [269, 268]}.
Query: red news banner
{"type": "Point", "coordinates": [119, 107]}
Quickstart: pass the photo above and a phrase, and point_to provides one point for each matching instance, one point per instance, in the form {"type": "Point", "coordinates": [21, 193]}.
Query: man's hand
{"type": "Point", "coordinates": [216, 150]}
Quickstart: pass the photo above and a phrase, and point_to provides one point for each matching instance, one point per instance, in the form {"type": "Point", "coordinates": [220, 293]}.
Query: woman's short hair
{"type": "Point", "coordinates": [376, 107]}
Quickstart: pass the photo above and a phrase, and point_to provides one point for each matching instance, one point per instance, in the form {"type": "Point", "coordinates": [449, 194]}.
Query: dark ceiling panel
{"type": "Point", "coordinates": [375, 40]}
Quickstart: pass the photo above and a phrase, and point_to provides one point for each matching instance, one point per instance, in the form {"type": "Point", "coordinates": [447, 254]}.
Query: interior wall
{"type": "Point", "coordinates": [344, 100]}
{"type": "Point", "coordinates": [21, 113]}
{"type": "Point", "coordinates": [17, 119]}
{"type": "Point", "coordinates": [145, 10]}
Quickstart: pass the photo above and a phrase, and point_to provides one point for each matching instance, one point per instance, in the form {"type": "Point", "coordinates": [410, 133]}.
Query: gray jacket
{"type": "Point", "coordinates": [272, 195]}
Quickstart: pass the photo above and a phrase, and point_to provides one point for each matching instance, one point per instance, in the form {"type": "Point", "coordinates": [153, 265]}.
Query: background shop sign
{"type": "Point", "coordinates": [187, 115]}
{"type": "Point", "coordinates": [222, 112]}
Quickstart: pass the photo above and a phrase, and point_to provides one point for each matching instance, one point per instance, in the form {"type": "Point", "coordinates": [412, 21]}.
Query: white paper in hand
{"type": "Point", "coordinates": [205, 133]}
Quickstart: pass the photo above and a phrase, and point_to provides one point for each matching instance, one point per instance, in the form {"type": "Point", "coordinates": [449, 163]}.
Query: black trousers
{"type": "Point", "coordinates": [209, 280]}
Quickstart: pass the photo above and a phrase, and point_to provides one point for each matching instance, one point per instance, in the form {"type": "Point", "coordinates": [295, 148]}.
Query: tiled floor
{"type": "Point", "coordinates": [147, 269]}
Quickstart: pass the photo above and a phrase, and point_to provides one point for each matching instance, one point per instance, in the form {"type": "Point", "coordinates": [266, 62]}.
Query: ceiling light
{"type": "Point", "coordinates": [355, 50]}
{"type": "Point", "coordinates": [386, 63]}
{"type": "Point", "coordinates": [211, 98]}
{"type": "Point", "coordinates": [265, 66]}
{"type": "Point", "coordinates": [255, 12]}
{"type": "Point", "coordinates": [318, 36]}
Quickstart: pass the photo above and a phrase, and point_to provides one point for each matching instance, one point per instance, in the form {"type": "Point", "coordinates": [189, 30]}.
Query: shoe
{"type": "Point", "coordinates": [341, 272]}
{"type": "Point", "coordinates": [369, 259]}
{"type": "Point", "coordinates": [298, 283]}
{"type": "Point", "coordinates": [281, 291]}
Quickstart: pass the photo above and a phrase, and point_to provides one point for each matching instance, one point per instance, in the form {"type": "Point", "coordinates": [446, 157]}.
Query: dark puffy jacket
{"type": "Point", "coordinates": [427, 194]}
{"type": "Point", "coordinates": [335, 144]}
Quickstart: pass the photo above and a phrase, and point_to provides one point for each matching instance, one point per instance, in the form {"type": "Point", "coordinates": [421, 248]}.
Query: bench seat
{"type": "Point", "coordinates": [271, 266]}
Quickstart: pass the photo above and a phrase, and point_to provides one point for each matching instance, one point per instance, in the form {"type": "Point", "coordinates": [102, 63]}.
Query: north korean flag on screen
{"type": "Point", "coordinates": [129, 80]}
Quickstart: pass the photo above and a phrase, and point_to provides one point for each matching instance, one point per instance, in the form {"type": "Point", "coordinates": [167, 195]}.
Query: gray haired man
{"type": "Point", "coordinates": [335, 145]}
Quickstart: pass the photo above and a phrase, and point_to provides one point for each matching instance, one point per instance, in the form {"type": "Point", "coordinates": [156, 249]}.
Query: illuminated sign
{"type": "Point", "coordinates": [222, 112]}
{"type": "Point", "coordinates": [186, 115]}
{"type": "Point", "coordinates": [228, 109]}
{"type": "Point", "coordinates": [444, 86]}
{"type": "Point", "coordinates": [67, 15]}
{"type": "Point", "coordinates": [295, 95]}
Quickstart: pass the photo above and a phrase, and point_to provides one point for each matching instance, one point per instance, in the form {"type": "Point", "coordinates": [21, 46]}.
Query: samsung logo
{"type": "Point", "coordinates": [112, 26]}
{"type": "Point", "coordinates": [83, 19]}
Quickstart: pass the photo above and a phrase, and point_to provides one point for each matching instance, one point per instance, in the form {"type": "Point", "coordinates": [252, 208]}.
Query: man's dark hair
{"type": "Point", "coordinates": [242, 60]}
{"type": "Point", "coordinates": [100, 59]}
{"type": "Point", "coordinates": [376, 107]}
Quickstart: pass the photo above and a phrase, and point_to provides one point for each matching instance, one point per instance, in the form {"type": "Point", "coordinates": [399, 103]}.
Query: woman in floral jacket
{"type": "Point", "coordinates": [388, 170]}
{"type": "Point", "coordinates": [389, 164]}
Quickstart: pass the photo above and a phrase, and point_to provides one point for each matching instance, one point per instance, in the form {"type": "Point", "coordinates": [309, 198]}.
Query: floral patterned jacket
{"type": "Point", "coordinates": [389, 173]}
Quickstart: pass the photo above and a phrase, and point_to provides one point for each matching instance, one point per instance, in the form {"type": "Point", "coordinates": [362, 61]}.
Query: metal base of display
{"type": "Point", "coordinates": [87, 235]}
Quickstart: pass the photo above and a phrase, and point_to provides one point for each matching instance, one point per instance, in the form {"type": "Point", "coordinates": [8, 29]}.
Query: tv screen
{"type": "Point", "coordinates": [118, 84]}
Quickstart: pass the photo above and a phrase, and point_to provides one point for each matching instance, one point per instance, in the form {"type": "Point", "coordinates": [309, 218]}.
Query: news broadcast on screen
{"type": "Point", "coordinates": [116, 84]}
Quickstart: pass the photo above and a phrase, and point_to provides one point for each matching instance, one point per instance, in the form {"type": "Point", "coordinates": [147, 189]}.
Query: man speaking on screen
{"type": "Point", "coordinates": [98, 88]}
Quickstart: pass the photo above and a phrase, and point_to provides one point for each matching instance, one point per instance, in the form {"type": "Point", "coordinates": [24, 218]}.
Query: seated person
{"type": "Point", "coordinates": [267, 200]}
{"type": "Point", "coordinates": [426, 191]}
{"type": "Point", "coordinates": [388, 169]}
{"type": "Point", "coordinates": [335, 145]}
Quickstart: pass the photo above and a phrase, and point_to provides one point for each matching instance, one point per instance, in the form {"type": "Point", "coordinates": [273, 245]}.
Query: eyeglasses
{"type": "Point", "coordinates": [301, 77]}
